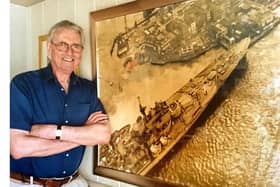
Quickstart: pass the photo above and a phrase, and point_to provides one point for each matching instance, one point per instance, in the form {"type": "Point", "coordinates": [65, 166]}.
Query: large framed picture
{"type": "Point", "coordinates": [172, 75]}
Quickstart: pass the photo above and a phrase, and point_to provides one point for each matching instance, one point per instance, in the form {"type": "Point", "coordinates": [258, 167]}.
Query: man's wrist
{"type": "Point", "coordinates": [58, 132]}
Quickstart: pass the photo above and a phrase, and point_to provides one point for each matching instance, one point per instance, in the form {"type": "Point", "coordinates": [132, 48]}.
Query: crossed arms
{"type": "Point", "coordinates": [40, 141]}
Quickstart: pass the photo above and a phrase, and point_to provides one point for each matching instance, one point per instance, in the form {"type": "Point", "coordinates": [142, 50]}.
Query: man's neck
{"type": "Point", "coordinates": [63, 78]}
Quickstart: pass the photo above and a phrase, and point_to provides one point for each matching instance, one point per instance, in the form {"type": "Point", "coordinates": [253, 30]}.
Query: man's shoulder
{"type": "Point", "coordinates": [27, 76]}
{"type": "Point", "coordinates": [87, 82]}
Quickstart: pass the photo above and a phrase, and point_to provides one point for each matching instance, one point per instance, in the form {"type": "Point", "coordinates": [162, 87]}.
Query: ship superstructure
{"type": "Point", "coordinates": [138, 147]}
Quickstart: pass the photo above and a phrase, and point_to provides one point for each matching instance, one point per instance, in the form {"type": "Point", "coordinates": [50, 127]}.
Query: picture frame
{"type": "Point", "coordinates": [119, 61]}
{"type": "Point", "coordinates": [42, 51]}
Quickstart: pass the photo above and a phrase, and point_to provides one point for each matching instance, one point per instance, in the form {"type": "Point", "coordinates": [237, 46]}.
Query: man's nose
{"type": "Point", "coordinates": [69, 50]}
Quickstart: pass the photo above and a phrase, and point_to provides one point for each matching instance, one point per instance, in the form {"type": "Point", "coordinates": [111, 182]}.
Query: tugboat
{"type": "Point", "coordinates": [138, 147]}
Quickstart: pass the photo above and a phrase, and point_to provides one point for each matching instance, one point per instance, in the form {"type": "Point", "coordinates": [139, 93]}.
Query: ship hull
{"type": "Point", "coordinates": [139, 150]}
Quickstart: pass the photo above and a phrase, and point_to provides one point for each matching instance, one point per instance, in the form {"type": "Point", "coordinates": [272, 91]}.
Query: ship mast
{"type": "Point", "coordinates": [125, 24]}
{"type": "Point", "coordinates": [142, 108]}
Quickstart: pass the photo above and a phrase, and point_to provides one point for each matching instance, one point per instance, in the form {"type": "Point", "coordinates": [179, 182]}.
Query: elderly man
{"type": "Point", "coordinates": [54, 115]}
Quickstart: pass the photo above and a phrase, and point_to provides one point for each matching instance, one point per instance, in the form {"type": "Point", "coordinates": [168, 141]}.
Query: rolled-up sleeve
{"type": "Point", "coordinates": [20, 107]}
{"type": "Point", "coordinates": [96, 104]}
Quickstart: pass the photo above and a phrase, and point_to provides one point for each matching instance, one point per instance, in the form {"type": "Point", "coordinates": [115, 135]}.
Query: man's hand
{"type": "Point", "coordinates": [97, 118]}
{"type": "Point", "coordinates": [98, 123]}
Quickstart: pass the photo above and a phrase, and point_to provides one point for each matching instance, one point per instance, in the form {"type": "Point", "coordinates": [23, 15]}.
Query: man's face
{"type": "Point", "coordinates": [65, 50]}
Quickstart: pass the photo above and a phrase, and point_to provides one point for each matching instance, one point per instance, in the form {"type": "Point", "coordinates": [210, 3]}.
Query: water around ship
{"type": "Point", "coordinates": [239, 143]}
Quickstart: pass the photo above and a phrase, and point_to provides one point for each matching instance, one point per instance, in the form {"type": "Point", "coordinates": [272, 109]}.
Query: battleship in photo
{"type": "Point", "coordinates": [138, 147]}
{"type": "Point", "coordinates": [178, 33]}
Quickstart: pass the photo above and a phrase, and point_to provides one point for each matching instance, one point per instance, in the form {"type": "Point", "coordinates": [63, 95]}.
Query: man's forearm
{"type": "Point", "coordinates": [84, 135]}
{"type": "Point", "coordinates": [25, 145]}
{"type": "Point", "coordinates": [87, 135]}
{"type": "Point", "coordinates": [49, 147]}
{"type": "Point", "coordinates": [46, 131]}
{"type": "Point", "coordinates": [96, 130]}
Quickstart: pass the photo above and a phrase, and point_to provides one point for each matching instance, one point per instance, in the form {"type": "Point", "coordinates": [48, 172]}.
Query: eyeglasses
{"type": "Point", "coordinates": [64, 47]}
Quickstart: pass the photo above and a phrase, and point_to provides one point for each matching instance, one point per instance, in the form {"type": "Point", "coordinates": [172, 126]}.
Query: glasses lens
{"type": "Point", "coordinates": [77, 47]}
{"type": "Point", "coordinates": [63, 46]}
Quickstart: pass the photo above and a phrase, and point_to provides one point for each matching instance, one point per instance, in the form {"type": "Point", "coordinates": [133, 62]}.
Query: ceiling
{"type": "Point", "coordinates": [25, 2]}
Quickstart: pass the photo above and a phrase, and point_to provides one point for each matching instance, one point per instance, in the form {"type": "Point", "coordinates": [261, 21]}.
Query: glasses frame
{"type": "Point", "coordinates": [64, 47]}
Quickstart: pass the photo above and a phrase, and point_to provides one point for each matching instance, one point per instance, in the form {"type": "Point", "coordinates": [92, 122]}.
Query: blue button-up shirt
{"type": "Point", "coordinates": [37, 98]}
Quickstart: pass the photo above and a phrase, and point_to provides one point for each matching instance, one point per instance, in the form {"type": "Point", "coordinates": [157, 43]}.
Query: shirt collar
{"type": "Point", "coordinates": [48, 75]}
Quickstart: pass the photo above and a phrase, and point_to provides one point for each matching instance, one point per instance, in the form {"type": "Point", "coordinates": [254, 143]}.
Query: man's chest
{"type": "Point", "coordinates": [55, 106]}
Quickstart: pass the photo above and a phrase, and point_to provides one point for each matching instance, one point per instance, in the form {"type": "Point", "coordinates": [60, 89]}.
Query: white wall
{"type": "Point", "coordinates": [47, 13]}
{"type": "Point", "coordinates": [18, 39]}
{"type": "Point", "coordinates": [27, 24]}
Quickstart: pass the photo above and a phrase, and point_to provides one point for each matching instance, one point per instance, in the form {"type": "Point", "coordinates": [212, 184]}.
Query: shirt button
{"type": "Point", "coordinates": [66, 121]}
{"type": "Point", "coordinates": [67, 155]}
{"type": "Point", "coordinates": [62, 89]}
{"type": "Point", "coordinates": [64, 172]}
{"type": "Point", "coordinates": [66, 105]}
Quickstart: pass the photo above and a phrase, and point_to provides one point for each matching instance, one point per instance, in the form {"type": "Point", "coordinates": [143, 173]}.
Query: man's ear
{"type": "Point", "coordinates": [49, 50]}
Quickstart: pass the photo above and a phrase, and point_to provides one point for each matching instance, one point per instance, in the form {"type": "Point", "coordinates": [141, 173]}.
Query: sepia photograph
{"type": "Point", "coordinates": [188, 87]}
